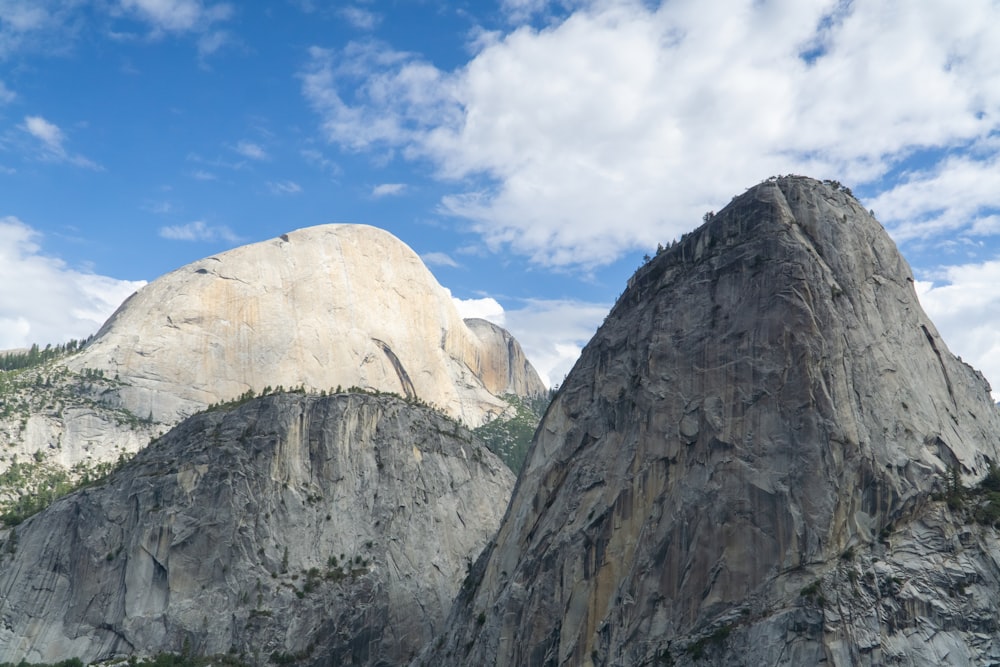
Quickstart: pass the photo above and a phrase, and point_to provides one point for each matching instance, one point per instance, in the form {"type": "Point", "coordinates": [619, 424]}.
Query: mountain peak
{"type": "Point", "coordinates": [321, 307]}
{"type": "Point", "coordinates": [766, 395]}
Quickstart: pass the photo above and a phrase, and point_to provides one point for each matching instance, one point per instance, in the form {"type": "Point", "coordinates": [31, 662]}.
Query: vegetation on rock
{"type": "Point", "coordinates": [510, 436]}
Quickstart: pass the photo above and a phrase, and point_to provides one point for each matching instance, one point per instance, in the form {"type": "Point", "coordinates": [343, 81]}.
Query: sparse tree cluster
{"type": "Point", "coordinates": [13, 361]}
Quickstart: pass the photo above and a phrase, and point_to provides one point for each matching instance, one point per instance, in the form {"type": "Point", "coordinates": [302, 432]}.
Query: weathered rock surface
{"type": "Point", "coordinates": [321, 307]}
{"type": "Point", "coordinates": [335, 530]}
{"type": "Point", "coordinates": [504, 369]}
{"type": "Point", "coordinates": [55, 421]}
{"type": "Point", "coordinates": [765, 403]}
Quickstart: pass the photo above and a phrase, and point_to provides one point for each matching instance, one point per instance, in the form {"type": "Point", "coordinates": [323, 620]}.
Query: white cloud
{"type": "Point", "coordinates": [552, 333]}
{"type": "Point", "coordinates": [965, 308]}
{"type": "Point", "coordinates": [198, 231]}
{"type": "Point", "coordinates": [44, 301]}
{"type": "Point", "coordinates": [486, 308]}
{"type": "Point", "coordinates": [46, 132]}
{"type": "Point", "coordinates": [284, 187]}
{"type": "Point", "coordinates": [439, 259]}
{"type": "Point", "coordinates": [210, 42]}
{"type": "Point", "coordinates": [250, 150]}
{"type": "Point", "coordinates": [178, 15]}
{"type": "Point", "coordinates": [388, 189]}
{"type": "Point", "coordinates": [53, 26]}
{"type": "Point", "coordinates": [202, 175]}
{"type": "Point", "coordinates": [39, 25]}
{"type": "Point", "coordinates": [6, 94]}
{"type": "Point", "coordinates": [956, 194]}
{"type": "Point", "coordinates": [52, 140]}
{"type": "Point", "coordinates": [360, 18]}
{"type": "Point", "coordinates": [616, 128]}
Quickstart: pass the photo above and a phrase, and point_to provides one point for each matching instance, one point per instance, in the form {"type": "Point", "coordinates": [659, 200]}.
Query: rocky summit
{"type": "Point", "coordinates": [346, 306]}
{"type": "Point", "coordinates": [765, 456]}
{"type": "Point", "coordinates": [291, 529]}
{"type": "Point", "coordinates": [321, 307]}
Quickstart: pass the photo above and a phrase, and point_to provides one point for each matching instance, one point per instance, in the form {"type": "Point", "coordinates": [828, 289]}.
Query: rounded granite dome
{"type": "Point", "coordinates": [321, 307]}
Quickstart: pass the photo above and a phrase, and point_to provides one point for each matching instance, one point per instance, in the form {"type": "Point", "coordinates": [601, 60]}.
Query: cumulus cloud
{"type": "Point", "coordinates": [964, 304]}
{"type": "Point", "coordinates": [388, 189]}
{"type": "Point", "coordinates": [198, 231]}
{"type": "Point", "coordinates": [617, 126]}
{"type": "Point", "coordinates": [44, 301]}
{"type": "Point", "coordinates": [553, 332]}
{"type": "Point", "coordinates": [51, 142]}
{"type": "Point", "coordinates": [486, 308]}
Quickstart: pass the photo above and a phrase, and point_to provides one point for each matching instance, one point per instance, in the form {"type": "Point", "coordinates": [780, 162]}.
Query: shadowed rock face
{"type": "Point", "coordinates": [334, 529]}
{"type": "Point", "coordinates": [766, 395]}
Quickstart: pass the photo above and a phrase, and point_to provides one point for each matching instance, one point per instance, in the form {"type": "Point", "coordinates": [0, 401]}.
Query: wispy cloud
{"type": "Point", "coordinates": [617, 126]}
{"type": "Point", "coordinates": [202, 175]}
{"type": "Point", "coordinates": [250, 150]}
{"type": "Point", "coordinates": [51, 142]}
{"type": "Point", "coordinates": [54, 26]}
{"type": "Point", "coordinates": [178, 15]}
{"type": "Point", "coordinates": [316, 158]}
{"type": "Point", "coordinates": [39, 26]}
{"type": "Point", "coordinates": [199, 231]}
{"type": "Point", "coordinates": [360, 18]}
{"type": "Point", "coordinates": [213, 41]}
{"type": "Point", "coordinates": [158, 207]}
{"type": "Point", "coordinates": [388, 190]}
{"type": "Point", "coordinates": [439, 259]}
{"type": "Point", "coordinates": [6, 94]}
{"type": "Point", "coordinates": [42, 300]}
{"type": "Point", "coordinates": [284, 187]}
{"type": "Point", "coordinates": [46, 132]}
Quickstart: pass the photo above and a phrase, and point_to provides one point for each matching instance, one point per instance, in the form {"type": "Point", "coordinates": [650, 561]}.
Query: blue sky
{"type": "Point", "coordinates": [530, 151]}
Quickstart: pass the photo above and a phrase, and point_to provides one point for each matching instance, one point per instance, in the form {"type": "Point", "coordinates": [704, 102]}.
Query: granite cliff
{"type": "Point", "coordinates": [289, 529]}
{"type": "Point", "coordinates": [318, 308]}
{"type": "Point", "coordinates": [749, 465]}
{"type": "Point", "coordinates": [321, 307]}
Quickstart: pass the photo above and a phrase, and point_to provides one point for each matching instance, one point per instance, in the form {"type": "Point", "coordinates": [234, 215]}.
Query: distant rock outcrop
{"type": "Point", "coordinates": [321, 307]}
{"type": "Point", "coordinates": [747, 467]}
{"type": "Point", "coordinates": [305, 529]}
{"type": "Point", "coordinates": [504, 369]}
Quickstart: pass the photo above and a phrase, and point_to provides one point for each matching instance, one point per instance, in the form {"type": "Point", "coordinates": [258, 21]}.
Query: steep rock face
{"type": "Point", "coordinates": [504, 369]}
{"type": "Point", "coordinates": [766, 396]}
{"type": "Point", "coordinates": [321, 307]}
{"type": "Point", "coordinates": [333, 529]}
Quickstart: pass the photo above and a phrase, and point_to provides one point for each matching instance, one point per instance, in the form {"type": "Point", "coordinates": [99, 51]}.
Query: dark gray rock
{"type": "Point", "coordinates": [335, 530]}
{"type": "Point", "coordinates": [765, 397]}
